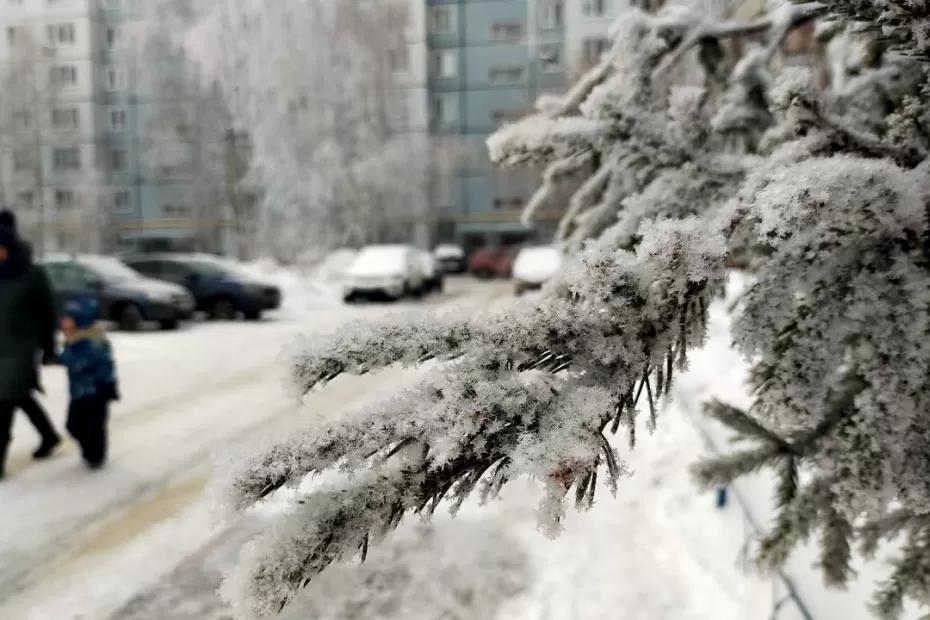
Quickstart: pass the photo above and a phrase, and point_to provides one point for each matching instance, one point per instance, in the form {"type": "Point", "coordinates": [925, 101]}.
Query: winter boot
{"type": "Point", "coordinates": [46, 448]}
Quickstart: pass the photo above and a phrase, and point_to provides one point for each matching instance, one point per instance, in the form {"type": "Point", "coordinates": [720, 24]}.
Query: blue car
{"type": "Point", "coordinates": [218, 288]}
{"type": "Point", "coordinates": [124, 296]}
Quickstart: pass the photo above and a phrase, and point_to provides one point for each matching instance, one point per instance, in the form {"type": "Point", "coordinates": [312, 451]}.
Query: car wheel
{"type": "Point", "coordinates": [484, 274]}
{"type": "Point", "coordinates": [169, 324]}
{"type": "Point", "coordinates": [253, 315]}
{"type": "Point", "coordinates": [129, 318]}
{"type": "Point", "coordinates": [223, 309]}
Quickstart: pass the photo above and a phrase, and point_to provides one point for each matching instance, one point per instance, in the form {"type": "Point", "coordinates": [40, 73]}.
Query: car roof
{"type": "Point", "coordinates": [62, 257]}
{"type": "Point", "coordinates": [138, 258]}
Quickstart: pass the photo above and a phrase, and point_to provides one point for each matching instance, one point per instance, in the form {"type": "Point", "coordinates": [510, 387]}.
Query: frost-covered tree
{"type": "Point", "coordinates": [311, 84]}
{"type": "Point", "coordinates": [822, 188]}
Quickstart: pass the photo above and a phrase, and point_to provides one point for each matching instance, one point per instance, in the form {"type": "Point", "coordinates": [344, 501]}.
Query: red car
{"type": "Point", "coordinates": [490, 263]}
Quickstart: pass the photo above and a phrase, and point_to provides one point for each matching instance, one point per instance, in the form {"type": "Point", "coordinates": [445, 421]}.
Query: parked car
{"type": "Point", "coordinates": [218, 287]}
{"type": "Point", "coordinates": [390, 271]}
{"type": "Point", "coordinates": [432, 273]}
{"type": "Point", "coordinates": [490, 263]}
{"type": "Point", "coordinates": [534, 266]}
{"type": "Point", "coordinates": [125, 296]}
{"type": "Point", "coordinates": [451, 258]}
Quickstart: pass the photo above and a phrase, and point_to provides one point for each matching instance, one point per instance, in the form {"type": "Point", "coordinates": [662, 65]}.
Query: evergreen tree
{"type": "Point", "coordinates": [821, 189]}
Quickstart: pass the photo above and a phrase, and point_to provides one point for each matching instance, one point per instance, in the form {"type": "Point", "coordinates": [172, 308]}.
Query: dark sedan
{"type": "Point", "coordinates": [219, 289]}
{"type": "Point", "coordinates": [125, 296]}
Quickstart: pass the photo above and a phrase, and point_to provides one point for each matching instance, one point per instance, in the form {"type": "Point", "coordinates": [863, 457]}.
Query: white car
{"type": "Point", "coordinates": [451, 257]}
{"type": "Point", "coordinates": [432, 273]}
{"type": "Point", "coordinates": [391, 271]}
{"type": "Point", "coordinates": [534, 266]}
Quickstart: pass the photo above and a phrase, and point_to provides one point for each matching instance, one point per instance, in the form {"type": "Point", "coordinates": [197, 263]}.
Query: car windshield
{"type": "Point", "coordinates": [380, 260]}
{"type": "Point", "coordinates": [449, 251]}
{"type": "Point", "coordinates": [109, 269]}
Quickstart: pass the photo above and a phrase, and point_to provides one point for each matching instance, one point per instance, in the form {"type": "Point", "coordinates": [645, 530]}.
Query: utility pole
{"type": "Point", "coordinates": [39, 167]}
{"type": "Point", "coordinates": [233, 147]}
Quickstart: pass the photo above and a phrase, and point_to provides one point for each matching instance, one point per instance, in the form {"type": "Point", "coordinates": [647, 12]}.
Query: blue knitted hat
{"type": "Point", "coordinates": [84, 311]}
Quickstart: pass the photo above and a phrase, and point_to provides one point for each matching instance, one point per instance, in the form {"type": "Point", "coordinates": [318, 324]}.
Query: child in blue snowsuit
{"type": "Point", "coordinates": [91, 379]}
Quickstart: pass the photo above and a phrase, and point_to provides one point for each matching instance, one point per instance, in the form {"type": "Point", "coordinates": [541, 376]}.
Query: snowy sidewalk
{"type": "Point", "coordinates": [187, 395]}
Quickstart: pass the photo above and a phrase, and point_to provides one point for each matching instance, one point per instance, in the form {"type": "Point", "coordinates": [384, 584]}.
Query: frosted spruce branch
{"type": "Point", "coordinates": [530, 392]}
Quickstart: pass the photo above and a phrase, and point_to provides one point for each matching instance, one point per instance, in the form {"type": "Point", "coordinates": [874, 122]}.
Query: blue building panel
{"type": "Point", "coordinates": [505, 60]}
{"type": "Point", "coordinates": [489, 109]}
{"type": "Point", "coordinates": [491, 21]}
{"type": "Point", "coordinates": [490, 66]}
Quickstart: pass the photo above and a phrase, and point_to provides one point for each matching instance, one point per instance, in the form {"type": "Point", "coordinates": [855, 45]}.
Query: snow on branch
{"type": "Point", "coordinates": [789, 15]}
{"type": "Point", "coordinates": [551, 176]}
{"type": "Point", "coordinates": [530, 392]}
{"type": "Point", "coordinates": [453, 436]}
{"type": "Point", "coordinates": [540, 139]}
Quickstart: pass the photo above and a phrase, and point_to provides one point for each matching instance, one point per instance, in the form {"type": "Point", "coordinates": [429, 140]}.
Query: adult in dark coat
{"type": "Point", "coordinates": [27, 326]}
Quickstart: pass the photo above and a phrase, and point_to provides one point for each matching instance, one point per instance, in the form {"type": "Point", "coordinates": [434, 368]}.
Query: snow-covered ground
{"type": "Point", "coordinates": [185, 395]}
{"type": "Point", "coordinates": [139, 540]}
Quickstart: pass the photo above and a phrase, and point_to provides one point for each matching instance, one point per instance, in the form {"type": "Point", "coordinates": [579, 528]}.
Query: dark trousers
{"type": "Point", "coordinates": [36, 415]}
{"type": "Point", "coordinates": [39, 419]}
{"type": "Point", "coordinates": [6, 425]}
{"type": "Point", "coordinates": [87, 423]}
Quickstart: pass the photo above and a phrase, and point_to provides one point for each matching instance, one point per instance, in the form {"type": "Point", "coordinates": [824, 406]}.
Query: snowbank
{"type": "Point", "coordinates": [303, 289]}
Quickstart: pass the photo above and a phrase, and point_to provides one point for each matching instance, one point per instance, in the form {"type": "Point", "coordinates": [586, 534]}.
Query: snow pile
{"type": "Point", "coordinates": [301, 289]}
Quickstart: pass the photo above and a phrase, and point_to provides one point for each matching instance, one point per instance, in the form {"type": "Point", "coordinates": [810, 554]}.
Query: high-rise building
{"type": "Point", "coordinates": [102, 136]}
{"type": "Point", "coordinates": [488, 62]}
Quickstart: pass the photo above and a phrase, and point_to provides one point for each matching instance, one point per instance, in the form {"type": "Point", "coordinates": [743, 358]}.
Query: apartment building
{"type": "Point", "coordinates": [78, 134]}
{"type": "Point", "coordinates": [488, 62]}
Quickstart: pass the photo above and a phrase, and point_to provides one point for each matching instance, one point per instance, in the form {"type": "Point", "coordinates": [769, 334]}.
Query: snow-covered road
{"type": "Point", "coordinates": [138, 541]}
{"type": "Point", "coordinates": [186, 395]}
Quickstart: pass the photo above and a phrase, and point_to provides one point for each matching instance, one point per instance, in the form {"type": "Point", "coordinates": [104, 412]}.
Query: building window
{"type": "Point", "coordinates": [499, 117]}
{"type": "Point", "coordinates": [65, 119]}
{"type": "Point", "coordinates": [64, 199]}
{"type": "Point", "coordinates": [22, 160]}
{"type": "Point", "coordinates": [445, 109]}
{"type": "Point", "coordinates": [115, 79]}
{"type": "Point", "coordinates": [550, 15]}
{"type": "Point", "coordinates": [398, 60]}
{"type": "Point", "coordinates": [445, 64]}
{"type": "Point", "coordinates": [176, 211]}
{"type": "Point", "coordinates": [506, 31]}
{"type": "Point", "coordinates": [505, 75]}
{"type": "Point", "coordinates": [63, 75]}
{"type": "Point", "coordinates": [593, 49]}
{"type": "Point", "coordinates": [118, 160]}
{"type": "Point", "coordinates": [25, 200]}
{"type": "Point", "coordinates": [550, 58]}
{"type": "Point", "coordinates": [22, 119]}
{"type": "Point", "coordinates": [66, 159]}
{"type": "Point", "coordinates": [121, 201]}
{"type": "Point", "coordinates": [442, 20]}
{"type": "Point", "coordinates": [118, 120]}
{"type": "Point", "coordinates": [114, 37]}
{"type": "Point", "coordinates": [60, 34]}
{"type": "Point", "coordinates": [594, 8]}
